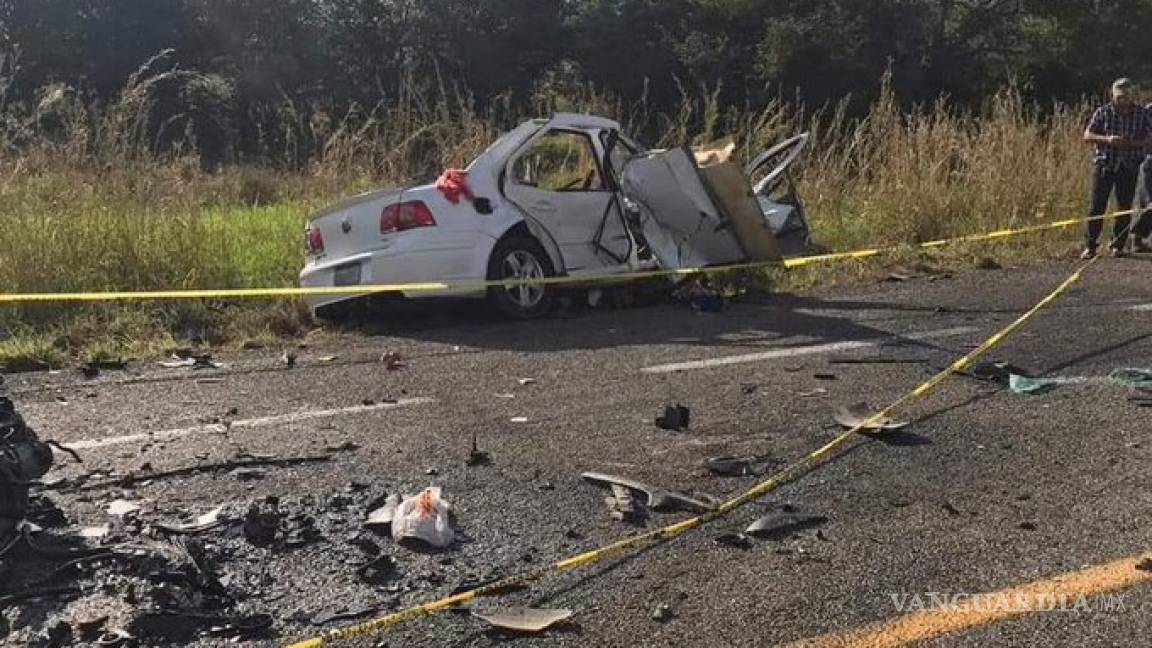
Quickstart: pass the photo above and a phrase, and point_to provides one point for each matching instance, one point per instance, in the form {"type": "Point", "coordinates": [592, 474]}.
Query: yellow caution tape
{"type": "Point", "coordinates": [477, 286]}
{"type": "Point", "coordinates": [786, 475]}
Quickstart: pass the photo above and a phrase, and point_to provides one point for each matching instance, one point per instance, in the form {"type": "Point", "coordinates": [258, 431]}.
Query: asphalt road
{"type": "Point", "coordinates": [985, 491]}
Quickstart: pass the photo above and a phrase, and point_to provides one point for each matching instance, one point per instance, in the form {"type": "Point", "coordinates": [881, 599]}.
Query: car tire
{"type": "Point", "coordinates": [521, 258]}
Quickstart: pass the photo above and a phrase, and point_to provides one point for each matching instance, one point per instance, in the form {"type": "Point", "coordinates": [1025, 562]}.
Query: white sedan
{"type": "Point", "coordinates": [566, 196]}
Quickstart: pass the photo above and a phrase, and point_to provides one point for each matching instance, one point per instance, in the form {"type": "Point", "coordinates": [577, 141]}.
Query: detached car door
{"type": "Point", "coordinates": [557, 180]}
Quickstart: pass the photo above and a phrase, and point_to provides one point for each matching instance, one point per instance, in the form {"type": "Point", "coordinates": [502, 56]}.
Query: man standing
{"type": "Point", "coordinates": [1120, 130]}
{"type": "Point", "coordinates": [1143, 229]}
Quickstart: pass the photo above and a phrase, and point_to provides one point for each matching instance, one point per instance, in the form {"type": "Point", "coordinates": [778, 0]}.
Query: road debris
{"type": "Point", "coordinates": [622, 507]}
{"type": "Point", "coordinates": [735, 540]}
{"type": "Point", "coordinates": [518, 419]}
{"type": "Point", "coordinates": [288, 358]}
{"type": "Point", "coordinates": [780, 525]}
{"type": "Point", "coordinates": [676, 418]}
{"type": "Point", "coordinates": [262, 523]}
{"type": "Point", "coordinates": [121, 508]}
{"type": "Point", "coordinates": [424, 517]}
{"type": "Point", "coordinates": [523, 619]}
{"type": "Point", "coordinates": [1132, 376]}
{"type": "Point", "coordinates": [994, 371]}
{"type": "Point", "coordinates": [393, 361]}
{"type": "Point", "coordinates": [657, 499]}
{"type": "Point", "coordinates": [1026, 386]}
{"type": "Point", "coordinates": [735, 466]}
{"type": "Point", "coordinates": [662, 613]}
{"type": "Point", "coordinates": [826, 377]}
{"type": "Point", "coordinates": [1145, 565]}
{"type": "Point", "coordinates": [381, 518]}
{"type": "Point", "coordinates": [477, 457]}
{"type": "Point", "coordinates": [24, 458]}
{"type": "Point", "coordinates": [861, 416]}
{"type": "Point", "coordinates": [524, 382]}
{"type": "Point", "coordinates": [191, 361]}
{"type": "Point", "coordinates": [209, 520]}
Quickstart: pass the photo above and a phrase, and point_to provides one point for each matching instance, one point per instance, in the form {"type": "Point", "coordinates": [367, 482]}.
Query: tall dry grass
{"type": "Point", "coordinates": [114, 195]}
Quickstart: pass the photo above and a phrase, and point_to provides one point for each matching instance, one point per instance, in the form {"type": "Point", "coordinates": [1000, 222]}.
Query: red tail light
{"type": "Point", "coordinates": [313, 241]}
{"type": "Point", "coordinates": [405, 216]}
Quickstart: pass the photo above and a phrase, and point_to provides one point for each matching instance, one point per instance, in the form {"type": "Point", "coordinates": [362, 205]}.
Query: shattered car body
{"type": "Point", "coordinates": [567, 196]}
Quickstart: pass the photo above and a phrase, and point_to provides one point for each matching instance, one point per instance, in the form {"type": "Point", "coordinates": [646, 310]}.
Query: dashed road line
{"type": "Point", "coordinates": [245, 424]}
{"type": "Point", "coordinates": [817, 349]}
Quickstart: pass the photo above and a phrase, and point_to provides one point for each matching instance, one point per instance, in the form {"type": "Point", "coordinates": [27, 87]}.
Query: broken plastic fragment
{"type": "Point", "coordinates": [658, 499]}
{"type": "Point", "coordinates": [209, 520]}
{"type": "Point", "coordinates": [383, 516]}
{"type": "Point", "coordinates": [1026, 386]}
{"type": "Point", "coordinates": [122, 507]}
{"type": "Point", "coordinates": [776, 526]}
{"type": "Point", "coordinates": [861, 416]}
{"type": "Point", "coordinates": [523, 619]}
{"type": "Point", "coordinates": [1132, 376]}
{"type": "Point", "coordinates": [96, 532]}
{"type": "Point", "coordinates": [524, 382]}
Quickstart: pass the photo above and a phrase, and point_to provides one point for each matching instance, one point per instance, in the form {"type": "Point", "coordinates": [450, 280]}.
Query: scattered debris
{"type": "Point", "coordinates": [676, 418]}
{"type": "Point", "coordinates": [524, 382]}
{"type": "Point", "coordinates": [815, 393]}
{"type": "Point", "coordinates": [392, 361]}
{"type": "Point", "coordinates": [262, 522]}
{"type": "Point", "coordinates": [477, 457]}
{"type": "Point", "coordinates": [826, 377]}
{"type": "Point", "coordinates": [23, 459]}
{"type": "Point", "coordinates": [518, 419]}
{"type": "Point", "coordinates": [777, 526]}
{"type": "Point", "coordinates": [191, 361]}
{"type": "Point", "coordinates": [861, 416]}
{"type": "Point", "coordinates": [382, 517]}
{"type": "Point", "coordinates": [1145, 565]}
{"type": "Point", "coordinates": [378, 569]}
{"type": "Point", "coordinates": [327, 359]}
{"type": "Point", "coordinates": [324, 619]}
{"type": "Point", "coordinates": [1026, 386]}
{"type": "Point", "coordinates": [657, 499]}
{"type": "Point", "coordinates": [424, 518]}
{"type": "Point", "coordinates": [97, 532]}
{"type": "Point", "coordinates": [997, 372]}
{"type": "Point", "coordinates": [209, 520]}
{"type": "Point", "coordinates": [523, 619]}
{"type": "Point", "coordinates": [120, 508]}
{"type": "Point", "coordinates": [622, 507]}
{"type": "Point", "coordinates": [1132, 376]}
{"type": "Point", "coordinates": [899, 277]}
{"type": "Point", "coordinates": [288, 358]}
{"type": "Point", "coordinates": [735, 540]}
{"type": "Point", "coordinates": [662, 613]}
{"type": "Point", "coordinates": [735, 466]}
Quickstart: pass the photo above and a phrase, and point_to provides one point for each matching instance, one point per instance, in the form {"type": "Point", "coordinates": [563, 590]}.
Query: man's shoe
{"type": "Point", "coordinates": [1088, 253]}
{"type": "Point", "coordinates": [1119, 253]}
{"type": "Point", "coordinates": [1140, 246]}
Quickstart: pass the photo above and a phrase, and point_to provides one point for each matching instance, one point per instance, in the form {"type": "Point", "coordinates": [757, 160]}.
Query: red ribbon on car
{"type": "Point", "coordinates": [453, 183]}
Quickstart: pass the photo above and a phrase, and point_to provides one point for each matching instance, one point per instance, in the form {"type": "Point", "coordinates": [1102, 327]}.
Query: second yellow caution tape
{"type": "Point", "coordinates": [478, 286]}
{"type": "Point", "coordinates": [786, 475]}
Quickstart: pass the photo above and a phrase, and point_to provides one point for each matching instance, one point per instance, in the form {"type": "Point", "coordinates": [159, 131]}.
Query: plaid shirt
{"type": "Point", "coordinates": [1135, 124]}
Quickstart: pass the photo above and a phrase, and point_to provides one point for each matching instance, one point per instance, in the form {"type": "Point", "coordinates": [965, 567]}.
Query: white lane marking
{"type": "Point", "coordinates": [1143, 307]}
{"type": "Point", "coordinates": [244, 424]}
{"type": "Point", "coordinates": [817, 349]}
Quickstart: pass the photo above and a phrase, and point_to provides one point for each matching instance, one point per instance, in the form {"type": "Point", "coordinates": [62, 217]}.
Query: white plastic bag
{"type": "Point", "coordinates": [423, 517]}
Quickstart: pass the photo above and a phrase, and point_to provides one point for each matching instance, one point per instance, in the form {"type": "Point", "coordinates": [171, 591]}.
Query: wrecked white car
{"type": "Point", "coordinates": [568, 196]}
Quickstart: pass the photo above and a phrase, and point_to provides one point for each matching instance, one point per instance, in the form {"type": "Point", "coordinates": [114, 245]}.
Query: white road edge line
{"type": "Point", "coordinates": [1142, 307]}
{"type": "Point", "coordinates": [817, 349]}
{"type": "Point", "coordinates": [245, 424]}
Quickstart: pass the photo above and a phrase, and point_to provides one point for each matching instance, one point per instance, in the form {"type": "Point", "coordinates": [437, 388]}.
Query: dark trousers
{"type": "Point", "coordinates": [1144, 225]}
{"type": "Point", "coordinates": [1107, 179]}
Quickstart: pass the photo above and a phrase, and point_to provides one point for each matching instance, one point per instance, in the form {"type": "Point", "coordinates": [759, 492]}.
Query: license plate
{"type": "Point", "coordinates": [348, 275]}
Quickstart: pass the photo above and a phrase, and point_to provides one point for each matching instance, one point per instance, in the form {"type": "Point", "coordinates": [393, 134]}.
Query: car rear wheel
{"type": "Point", "coordinates": [524, 259]}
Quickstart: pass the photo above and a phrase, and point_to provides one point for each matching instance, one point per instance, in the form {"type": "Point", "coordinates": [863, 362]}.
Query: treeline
{"type": "Point", "coordinates": [258, 60]}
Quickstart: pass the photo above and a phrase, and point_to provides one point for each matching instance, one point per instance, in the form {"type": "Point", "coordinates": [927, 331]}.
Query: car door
{"type": "Point", "coordinates": [558, 181]}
